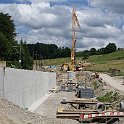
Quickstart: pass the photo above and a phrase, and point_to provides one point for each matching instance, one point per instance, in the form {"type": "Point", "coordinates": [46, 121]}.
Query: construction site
{"type": "Point", "coordinates": [66, 94]}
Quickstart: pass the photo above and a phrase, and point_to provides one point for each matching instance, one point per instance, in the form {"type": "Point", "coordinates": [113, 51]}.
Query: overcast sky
{"type": "Point", "coordinates": [49, 21]}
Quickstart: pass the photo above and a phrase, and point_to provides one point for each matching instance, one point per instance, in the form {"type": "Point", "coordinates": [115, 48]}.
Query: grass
{"type": "Point", "coordinates": [57, 61]}
{"type": "Point", "coordinates": [105, 62]}
{"type": "Point", "coordinates": [102, 59]}
{"type": "Point", "coordinates": [108, 97]}
{"type": "Point", "coordinates": [99, 62]}
{"type": "Point", "coordinates": [117, 64]}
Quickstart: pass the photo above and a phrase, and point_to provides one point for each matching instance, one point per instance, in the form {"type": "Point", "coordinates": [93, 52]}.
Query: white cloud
{"type": "Point", "coordinates": [39, 22]}
{"type": "Point", "coordinates": [40, 0]}
{"type": "Point", "coordinates": [116, 6]}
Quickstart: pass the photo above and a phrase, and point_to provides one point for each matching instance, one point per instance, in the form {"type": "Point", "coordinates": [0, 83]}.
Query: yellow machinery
{"type": "Point", "coordinates": [75, 23]}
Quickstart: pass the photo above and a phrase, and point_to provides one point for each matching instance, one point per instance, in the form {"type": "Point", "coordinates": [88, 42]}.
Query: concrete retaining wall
{"type": "Point", "coordinates": [24, 87]}
{"type": "Point", "coordinates": [1, 82]}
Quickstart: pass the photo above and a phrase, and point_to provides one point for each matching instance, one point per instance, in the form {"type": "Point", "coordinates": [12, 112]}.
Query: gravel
{"type": "Point", "coordinates": [13, 114]}
{"type": "Point", "coordinates": [5, 120]}
{"type": "Point", "coordinates": [49, 107]}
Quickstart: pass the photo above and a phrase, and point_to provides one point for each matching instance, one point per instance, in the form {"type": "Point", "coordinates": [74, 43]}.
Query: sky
{"type": "Point", "coordinates": [49, 21]}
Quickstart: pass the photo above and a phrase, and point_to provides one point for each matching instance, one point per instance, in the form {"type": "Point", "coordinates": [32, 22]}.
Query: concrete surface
{"type": "Point", "coordinates": [25, 87]}
{"type": "Point", "coordinates": [115, 83]}
{"type": "Point", "coordinates": [34, 106]}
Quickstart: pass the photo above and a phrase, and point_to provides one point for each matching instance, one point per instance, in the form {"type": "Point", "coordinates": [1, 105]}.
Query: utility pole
{"type": "Point", "coordinates": [36, 59]}
{"type": "Point", "coordinates": [19, 51]}
{"type": "Point", "coordinates": [41, 64]}
{"type": "Point", "coordinates": [20, 61]}
{"type": "Point", "coordinates": [38, 63]}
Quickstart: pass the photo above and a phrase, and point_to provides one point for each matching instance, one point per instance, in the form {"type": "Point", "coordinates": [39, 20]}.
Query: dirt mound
{"type": "Point", "coordinates": [5, 120]}
{"type": "Point", "coordinates": [13, 114]}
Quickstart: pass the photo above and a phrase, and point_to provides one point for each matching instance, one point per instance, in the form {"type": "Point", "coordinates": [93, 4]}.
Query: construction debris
{"type": "Point", "coordinates": [87, 108]}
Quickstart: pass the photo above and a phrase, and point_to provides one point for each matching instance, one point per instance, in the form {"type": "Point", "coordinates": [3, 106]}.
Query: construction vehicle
{"type": "Point", "coordinates": [65, 67]}
{"type": "Point", "coordinates": [75, 23]}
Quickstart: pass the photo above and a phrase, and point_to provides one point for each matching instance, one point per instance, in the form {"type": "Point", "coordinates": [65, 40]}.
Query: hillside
{"type": "Point", "coordinates": [105, 62]}
{"type": "Point", "coordinates": [99, 62]}
{"type": "Point", "coordinates": [101, 59]}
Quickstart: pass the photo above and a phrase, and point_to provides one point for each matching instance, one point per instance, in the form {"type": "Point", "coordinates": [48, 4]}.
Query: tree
{"type": "Point", "coordinates": [7, 37]}
{"type": "Point", "coordinates": [9, 48]}
{"type": "Point", "coordinates": [48, 51]}
{"type": "Point", "coordinates": [86, 54]}
{"type": "Point", "coordinates": [111, 47]}
{"type": "Point", "coordinates": [26, 60]}
{"type": "Point", "coordinates": [92, 51]}
{"type": "Point", "coordinates": [101, 51]}
{"type": "Point", "coordinates": [67, 52]}
{"type": "Point", "coordinates": [5, 47]}
{"type": "Point", "coordinates": [7, 27]}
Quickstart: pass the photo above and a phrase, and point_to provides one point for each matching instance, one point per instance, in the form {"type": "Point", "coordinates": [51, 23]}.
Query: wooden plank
{"type": "Point", "coordinates": [80, 112]}
{"type": "Point", "coordinates": [69, 116]}
{"type": "Point", "coordinates": [85, 100]}
{"type": "Point", "coordinates": [82, 102]}
{"type": "Point", "coordinates": [77, 102]}
{"type": "Point", "coordinates": [76, 111]}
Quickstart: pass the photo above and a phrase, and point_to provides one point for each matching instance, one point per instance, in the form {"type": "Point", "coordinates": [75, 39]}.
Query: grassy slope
{"type": "Point", "coordinates": [104, 62]}
{"type": "Point", "coordinates": [118, 55]}
{"type": "Point", "coordinates": [99, 62]}
{"type": "Point", "coordinates": [57, 61]}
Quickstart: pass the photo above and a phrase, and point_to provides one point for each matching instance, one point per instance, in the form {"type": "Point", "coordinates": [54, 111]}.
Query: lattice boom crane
{"type": "Point", "coordinates": [75, 23]}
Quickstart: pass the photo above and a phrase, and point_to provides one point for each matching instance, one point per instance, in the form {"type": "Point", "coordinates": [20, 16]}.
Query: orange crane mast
{"type": "Point", "coordinates": [75, 23]}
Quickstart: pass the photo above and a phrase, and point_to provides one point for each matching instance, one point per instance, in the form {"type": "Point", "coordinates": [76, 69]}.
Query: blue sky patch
{"type": "Point", "coordinates": [72, 3]}
{"type": "Point", "coordinates": [13, 1]}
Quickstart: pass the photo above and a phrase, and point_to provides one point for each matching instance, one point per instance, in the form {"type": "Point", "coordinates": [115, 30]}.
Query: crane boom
{"type": "Point", "coordinates": [74, 23]}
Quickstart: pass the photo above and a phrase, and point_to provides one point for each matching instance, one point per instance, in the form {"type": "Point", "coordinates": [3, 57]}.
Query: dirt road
{"type": "Point", "coordinates": [115, 83]}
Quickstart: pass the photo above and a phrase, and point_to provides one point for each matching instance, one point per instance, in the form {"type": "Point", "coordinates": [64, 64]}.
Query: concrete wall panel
{"type": "Point", "coordinates": [39, 84]}
{"type": "Point", "coordinates": [1, 81]}
{"type": "Point", "coordinates": [25, 87]}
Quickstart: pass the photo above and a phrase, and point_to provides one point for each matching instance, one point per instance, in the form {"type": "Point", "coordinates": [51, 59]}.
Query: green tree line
{"type": "Point", "coordinates": [48, 51]}
{"type": "Point", "coordinates": [111, 47]}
